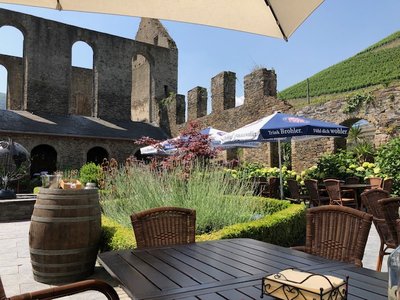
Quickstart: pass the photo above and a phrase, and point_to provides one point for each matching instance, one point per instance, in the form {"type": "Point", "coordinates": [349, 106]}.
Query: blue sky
{"type": "Point", "coordinates": [337, 30]}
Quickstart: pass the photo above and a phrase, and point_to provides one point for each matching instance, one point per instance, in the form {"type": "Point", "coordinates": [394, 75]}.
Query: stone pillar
{"type": "Point", "coordinates": [180, 109]}
{"type": "Point", "coordinates": [223, 91]}
{"type": "Point", "coordinates": [260, 83]}
{"type": "Point", "coordinates": [197, 103]}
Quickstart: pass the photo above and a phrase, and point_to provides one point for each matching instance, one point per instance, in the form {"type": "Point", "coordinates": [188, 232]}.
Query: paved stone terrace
{"type": "Point", "coordinates": [16, 272]}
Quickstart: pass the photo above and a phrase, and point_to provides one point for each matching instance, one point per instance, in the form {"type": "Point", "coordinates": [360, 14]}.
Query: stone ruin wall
{"type": "Point", "coordinates": [117, 88]}
{"type": "Point", "coordinates": [47, 83]}
{"type": "Point", "coordinates": [137, 80]}
{"type": "Point", "coordinates": [260, 100]}
{"type": "Point", "coordinates": [78, 147]}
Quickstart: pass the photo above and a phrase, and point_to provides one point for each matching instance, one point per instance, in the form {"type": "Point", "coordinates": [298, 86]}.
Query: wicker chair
{"type": "Point", "coordinates": [260, 185]}
{"type": "Point", "coordinates": [370, 200]}
{"type": "Point", "coordinates": [272, 190]}
{"type": "Point", "coordinates": [387, 185]}
{"type": "Point", "coordinates": [398, 231]}
{"type": "Point", "coordinates": [322, 238]}
{"type": "Point", "coordinates": [65, 290]}
{"type": "Point", "coordinates": [350, 180]}
{"type": "Point", "coordinates": [335, 194]}
{"type": "Point", "coordinates": [163, 226]}
{"type": "Point", "coordinates": [294, 191]}
{"type": "Point", "coordinates": [315, 198]}
{"type": "Point", "coordinates": [376, 182]}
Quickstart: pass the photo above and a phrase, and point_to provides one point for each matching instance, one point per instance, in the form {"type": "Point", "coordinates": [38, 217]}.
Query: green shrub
{"type": "Point", "coordinates": [334, 165]}
{"type": "Point", "coordinates": [285, 226]}
{"type": "Point", "coordinates": [388, 159]}
{"type": "Point", "coordinates": [209, 191]}
{"type": "Point", "coordinates": [114, 236]}
{"type": "Point", "coordinates": [90, 172]}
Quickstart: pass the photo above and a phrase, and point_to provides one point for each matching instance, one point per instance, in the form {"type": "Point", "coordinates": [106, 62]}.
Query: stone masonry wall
{"type": "Point", "coordinates": [47, 71]}
{"type": "Point", "coordinates": [260, 100]}
{"type": "Point", "coordinates": [72, 151]}
{"type": "Point", "coordinates": [14, 66]}
{"type": "Point", "coordinates": [225, 116]}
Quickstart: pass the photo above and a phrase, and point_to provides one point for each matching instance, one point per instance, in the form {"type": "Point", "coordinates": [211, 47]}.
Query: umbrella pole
{"type": "Point", "coordinates": [280, 169]}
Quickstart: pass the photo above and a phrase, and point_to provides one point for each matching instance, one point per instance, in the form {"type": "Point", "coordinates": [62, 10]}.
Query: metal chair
{"type": "Point", "coordinates": [163, 226]}
{"type": "Point", "coordinates": [335, 194]}
{"type": "Point", "coordinates": [294, 191]}
{"type": "Point", "coordinates": [322, 238]}
{"type": "Point", "coordinates": [65, 290]}
{"type": "Point", "coordinates": [370, 200]}
{"type": "Point", "coordinates": [315, 198]}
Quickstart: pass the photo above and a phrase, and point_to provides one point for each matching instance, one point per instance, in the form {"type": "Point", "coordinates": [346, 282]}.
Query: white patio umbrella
{"type": "Point", "coordinates": [275, 18]}
{"type": "Point", "coordinates": [283, 127]}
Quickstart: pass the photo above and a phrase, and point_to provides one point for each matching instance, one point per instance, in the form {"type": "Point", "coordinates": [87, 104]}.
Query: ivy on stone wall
{"type": "Point", "coordinates": [354, 102]}
{"type": "Point", "coordinates": [168, 100]}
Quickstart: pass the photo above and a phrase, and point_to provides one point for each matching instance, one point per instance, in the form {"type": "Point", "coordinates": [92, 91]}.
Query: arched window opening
{"type": "Point", "coordinates": [82, 55]}
{"type": "Point", "coordinates": [43, 159]}
{"type": "Point", "coordinates": [82, 99]}
{"type": "Point", "coordinates": [3, 87]}
{"type": "Point", "coordinates": [97, 155]}
{"type": "Point", "coordinates": [16, 48]}
{"type": "Point", "coordinates": [361, 140]}
{"type": "Point", "coordinates": [141, 106]}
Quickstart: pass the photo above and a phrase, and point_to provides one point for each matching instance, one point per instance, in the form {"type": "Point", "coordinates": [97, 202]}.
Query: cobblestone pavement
{"type": "Point", "coordinates": [16, 271]}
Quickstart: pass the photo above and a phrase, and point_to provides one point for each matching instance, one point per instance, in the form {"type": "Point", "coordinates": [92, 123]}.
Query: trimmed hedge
{"type": "Point", "coordinates": [114, 236]}
{"type": "Point", "coordinates": [285, 227]}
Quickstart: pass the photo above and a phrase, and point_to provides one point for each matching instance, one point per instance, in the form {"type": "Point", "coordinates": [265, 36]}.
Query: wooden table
{"type": "Point", "coordinates": [225, 269]}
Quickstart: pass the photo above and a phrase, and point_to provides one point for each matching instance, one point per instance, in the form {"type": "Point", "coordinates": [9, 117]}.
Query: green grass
{"type": "Point", "coordinates": [378, 64]}
{"type": "Point", "coordinates": [213, 195]}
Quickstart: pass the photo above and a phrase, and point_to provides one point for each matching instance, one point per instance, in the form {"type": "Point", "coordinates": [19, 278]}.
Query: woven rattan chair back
{"type": "Point", "coordinates": [333, 189]}
{"type": "Point", "coordinates": [273, 187]}
{"type": "Point", "coordinates": [398, 231]}
{"type": "Point", "coordinates": [390, 208]}
{"type": "Point", "coordinates": [260, 185]}
{"type": "Point", "coordinates": [370, 200]}
{"type": "Point", "coordinates": [163, 226]}
{"type": "Point", "coordinates": [66, 290]}
{"type": "Point", "coordinates": [387, 185]}
{"type": "Point", "coordinates": [312, 189]}
{"type": "Point", "coordinates": [294, 189]}
{"type": "Point", "coordinates": [376, 182]}
{"type": "Point", "coordinates": [337, 233]}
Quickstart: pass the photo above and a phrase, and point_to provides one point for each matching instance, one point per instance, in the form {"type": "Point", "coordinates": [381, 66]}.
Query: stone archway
{"type": "Point", "coordinates": [97, 155]}
{"type": "Point", "coordinates": [43, 159]}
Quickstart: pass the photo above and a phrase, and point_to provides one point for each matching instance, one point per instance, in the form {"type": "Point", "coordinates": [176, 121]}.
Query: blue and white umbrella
{"type": "Point", "coordinates": [283, 127]}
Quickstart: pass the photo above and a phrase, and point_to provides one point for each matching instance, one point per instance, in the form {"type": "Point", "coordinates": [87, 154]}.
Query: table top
{"type": "Point", "coordinates": [355, 185]}
{"type": "Point", "coordinates": [225, 269]}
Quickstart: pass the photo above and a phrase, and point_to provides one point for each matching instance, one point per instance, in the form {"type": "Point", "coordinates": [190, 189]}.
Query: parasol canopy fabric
{"type": "Point", "coordinates": [275, 18]}
{"type": "Point", "coordinates": [283, 127]}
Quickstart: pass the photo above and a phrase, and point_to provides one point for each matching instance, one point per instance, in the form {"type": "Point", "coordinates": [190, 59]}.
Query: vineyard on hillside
{"type": "Point", "coordinates": [377, 64]}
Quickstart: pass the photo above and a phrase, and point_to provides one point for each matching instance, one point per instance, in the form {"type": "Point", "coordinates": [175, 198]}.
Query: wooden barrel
{"type": "Point", "coordinates": [64, 234]}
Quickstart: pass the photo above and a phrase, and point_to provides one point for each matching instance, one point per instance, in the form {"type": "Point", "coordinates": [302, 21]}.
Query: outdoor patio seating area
{"type": "Point", "coordinates": [16, 271]}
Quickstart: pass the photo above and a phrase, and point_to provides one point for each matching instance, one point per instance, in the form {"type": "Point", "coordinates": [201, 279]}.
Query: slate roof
{"type": "Point", "coordinates": [17, 121]}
